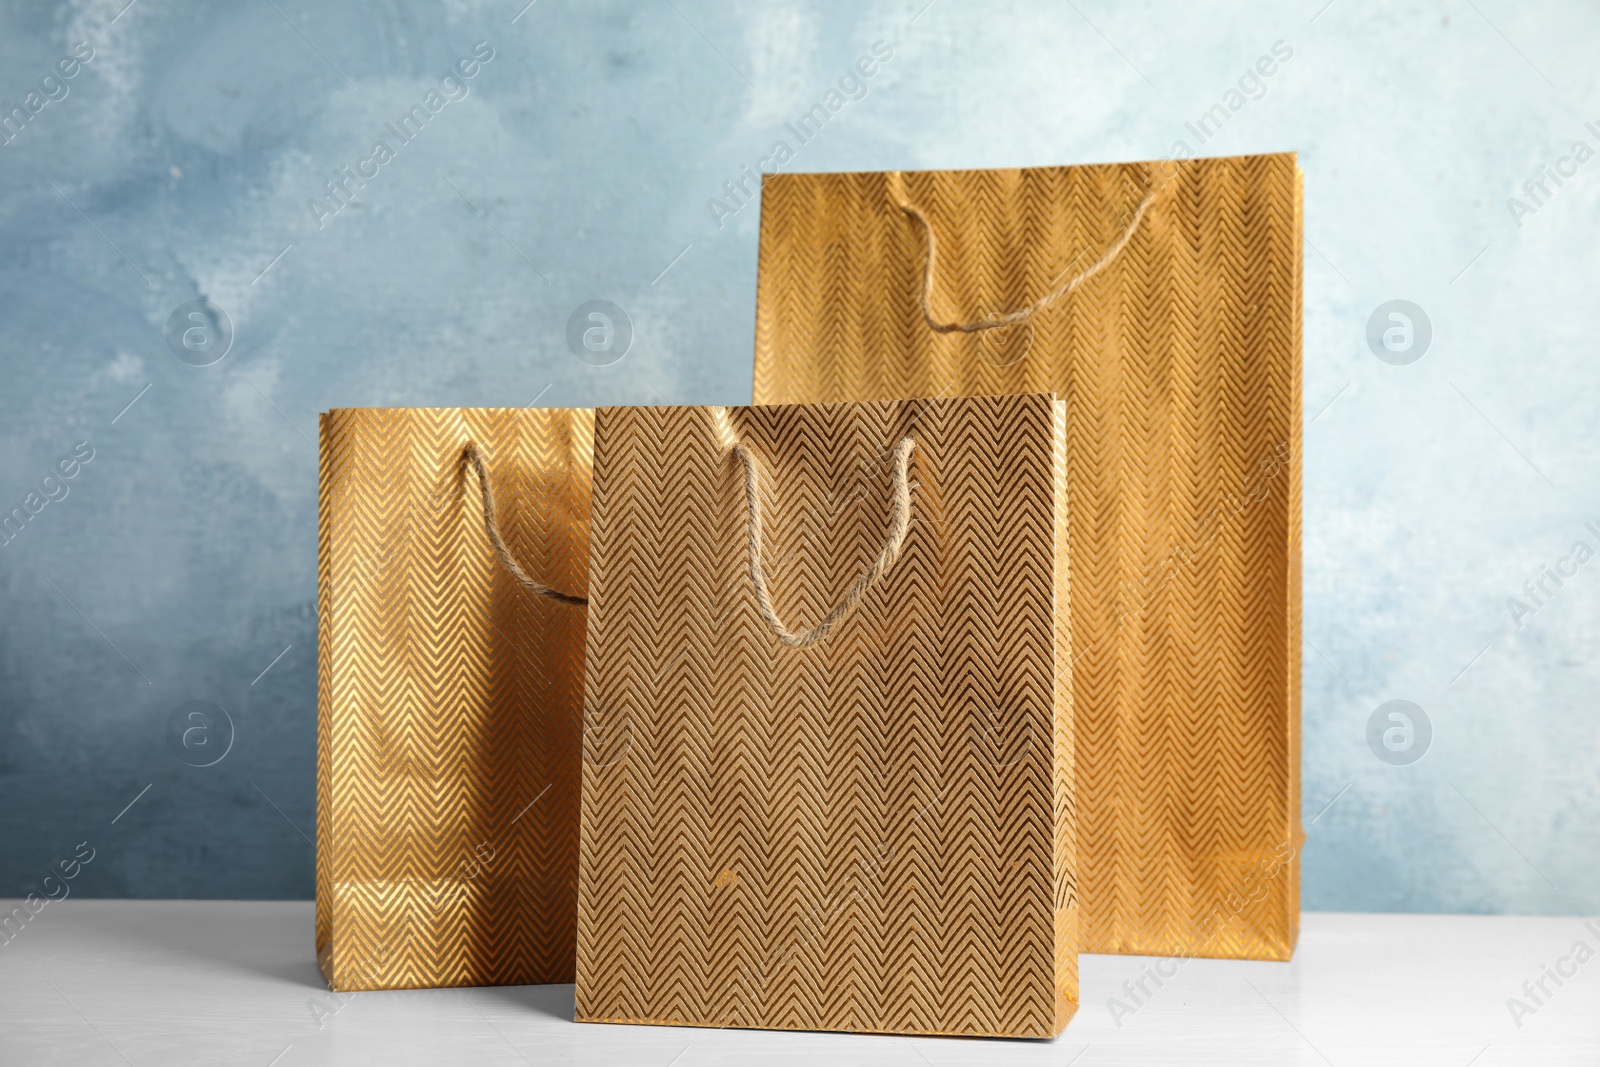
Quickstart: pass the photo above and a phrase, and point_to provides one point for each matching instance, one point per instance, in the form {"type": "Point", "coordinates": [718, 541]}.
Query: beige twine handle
{"type": "Point", "coordinates": [1011, 318]}
{"type": "Point", "coordinates": [891, 550]}
{"type": "Point", "coordinates": [491, 527]}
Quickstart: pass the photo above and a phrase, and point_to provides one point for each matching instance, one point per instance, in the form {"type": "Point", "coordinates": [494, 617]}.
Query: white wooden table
{"type": "Point", "coordinates": [226, 982]}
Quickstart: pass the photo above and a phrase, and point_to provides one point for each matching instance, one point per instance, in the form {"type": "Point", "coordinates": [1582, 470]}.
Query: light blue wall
{"type": "Point", "coordinates": [180, 164]}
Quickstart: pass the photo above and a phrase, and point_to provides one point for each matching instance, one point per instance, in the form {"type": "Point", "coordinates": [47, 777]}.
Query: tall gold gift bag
{"type": "Point", "coordinates": [449, 727]}
{"type": "Point", "coordinates": [827, 726]}
{"type": "Point", "coordinates": [1162, 302]}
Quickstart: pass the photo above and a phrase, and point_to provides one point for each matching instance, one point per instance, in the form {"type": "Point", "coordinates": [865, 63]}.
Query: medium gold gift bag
{"type": "Point", "coordinates": [827, 727]}
{"type": "Point", "coordinates": [449, 725]}
{"type": "Point", "coordinates": [1162, 302]}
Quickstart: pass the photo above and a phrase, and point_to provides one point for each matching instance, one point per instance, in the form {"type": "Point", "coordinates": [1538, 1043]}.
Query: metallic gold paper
{"type": "Point", "coordinates": [1180, 364]}
{"type": "Point", "coordinates": [449, 730]}
{"type": "Point", "coordinates": [872, 834]}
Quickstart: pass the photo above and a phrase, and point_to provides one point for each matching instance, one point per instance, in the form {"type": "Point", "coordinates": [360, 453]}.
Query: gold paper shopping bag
{"type": "Point", "coordinates": [1162, 302]}
{"type": "Point", "coordinates": [827, 728]}
{"type": "Point", "coordinates": [449, 730]}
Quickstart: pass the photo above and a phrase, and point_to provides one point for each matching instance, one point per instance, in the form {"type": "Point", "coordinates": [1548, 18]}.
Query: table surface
{"type": "Point", "coordinates": [235, 982]}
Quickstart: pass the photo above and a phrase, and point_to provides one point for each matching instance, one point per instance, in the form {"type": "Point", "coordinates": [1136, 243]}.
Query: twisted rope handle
{"type": "Point", "coordinates": [1011, 318]}
{"type": "Point", "coordinates": [491, 526]}
{"type": "Point", "coordinates": [891, 549]}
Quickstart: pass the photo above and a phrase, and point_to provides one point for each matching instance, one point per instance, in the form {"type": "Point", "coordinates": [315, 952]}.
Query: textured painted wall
{"type": "Point", "coordinates": [188, 159]}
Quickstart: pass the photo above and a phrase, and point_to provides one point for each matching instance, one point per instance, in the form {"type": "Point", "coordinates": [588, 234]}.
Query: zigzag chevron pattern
{"type": "Point", "coordinates": [874, 834]}
{"type": "Point", "coordinates": [449, 729]}
{"type": "Point", "coordinates": [1180, 365]}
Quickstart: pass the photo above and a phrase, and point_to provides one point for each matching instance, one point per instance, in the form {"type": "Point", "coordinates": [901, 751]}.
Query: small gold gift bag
{"type": "Point", "coordinates": [449, 726]}
{"type": "Point", "coordinates": [827, 725]}
{"type": "Point", "coordinates": [1162, 303]}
